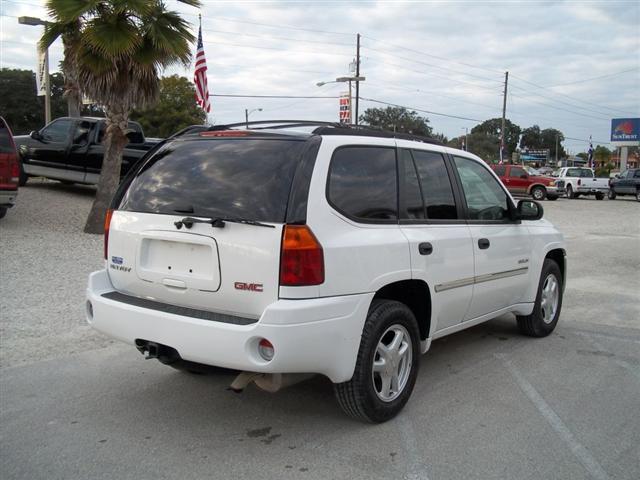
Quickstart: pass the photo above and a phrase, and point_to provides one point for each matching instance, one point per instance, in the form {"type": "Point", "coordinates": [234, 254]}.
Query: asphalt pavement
{"type": "Point", "coordinates": [488, 402]}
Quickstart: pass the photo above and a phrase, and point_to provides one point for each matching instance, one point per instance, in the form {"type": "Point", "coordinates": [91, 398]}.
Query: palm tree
{"type": "Point", "coordinates": [122, 47]}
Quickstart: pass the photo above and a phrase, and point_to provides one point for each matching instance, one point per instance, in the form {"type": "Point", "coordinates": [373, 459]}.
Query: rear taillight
{"type": "Point", "coordinates": [301, 260]}
{"type": "Point", "coordinates": [14, 171]}
{"type": "Point", "coordinates": [107, 224]}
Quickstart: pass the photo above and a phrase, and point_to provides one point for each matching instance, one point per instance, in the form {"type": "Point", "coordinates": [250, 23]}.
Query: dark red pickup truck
{"type": "Point", "coordinates": [521, 181]}
{"type": "Point", "coordinates": [9, 169]}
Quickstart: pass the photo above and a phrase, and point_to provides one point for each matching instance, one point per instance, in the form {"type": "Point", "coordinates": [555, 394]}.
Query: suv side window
{"type": "Point", "coordinates": [57, 131]}
{"type": "Point", "coordinates": [436, 185]}
{"type": "Point", "coordinates": [517, 172]}
{"type": "Point", "coordinates": [500, 170]}
{"type": "Point", "coordinates": [486, 200]}
{"type": "Point", "coordinates": [362, 183]}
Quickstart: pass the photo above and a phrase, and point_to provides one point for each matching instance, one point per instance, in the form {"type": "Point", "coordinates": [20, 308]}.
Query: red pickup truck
{"type": "Point", "coordinates": [520, 180]}
{"type": "Point", "coordinates": [9, 169]}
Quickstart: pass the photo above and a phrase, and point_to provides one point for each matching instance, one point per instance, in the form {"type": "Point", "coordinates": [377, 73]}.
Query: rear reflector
{"type": "Point", "coordinates": [266, 350]}
{"type": "Point", "coordinates": [302, 259]}
{"type": "Point", "coordinates": [107, 224]}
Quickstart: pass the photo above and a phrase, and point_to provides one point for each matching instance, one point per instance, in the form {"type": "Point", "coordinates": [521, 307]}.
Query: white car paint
{"type": "Point", "coordinates": [314, 329]}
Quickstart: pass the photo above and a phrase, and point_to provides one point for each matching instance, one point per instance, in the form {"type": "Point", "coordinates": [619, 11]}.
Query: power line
{"type": "Point", "coordinates": [434, 66]}
{"type": "Point", "coordinates": [272, 37]}
{"type": "Point", "coordinates": [567, 96]}
{"type": "Point", "coordinates": [280, 49]}
{"type": "Point", "coordinates": [587, 141]}
{"type": "Point", "coordinates": [420, 110]}
{"type": "Point", "coordinates": [594, 78]}
{"type": "Point", "coordinates": [433, 56]}
{"type": "Point", "coordinates": [580, 114]}
{"type": "Point", "coordinates": [605, 114]}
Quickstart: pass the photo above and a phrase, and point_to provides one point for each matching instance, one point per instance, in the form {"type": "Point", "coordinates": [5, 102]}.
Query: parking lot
{"type": "Point", "coordinates": [488, 402]}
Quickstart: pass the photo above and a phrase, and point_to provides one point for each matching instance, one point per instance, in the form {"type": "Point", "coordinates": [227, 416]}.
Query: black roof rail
{"type": "Point", "coordinates": [327, 128]}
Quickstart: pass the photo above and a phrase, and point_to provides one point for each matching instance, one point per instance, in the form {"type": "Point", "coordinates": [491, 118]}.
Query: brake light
{"type": "Point", "coordinates": [107, 224]}
{"type": "Point", "coordinates": [15, 171]}
{"type": "Point", "coordinates": [301, 259]}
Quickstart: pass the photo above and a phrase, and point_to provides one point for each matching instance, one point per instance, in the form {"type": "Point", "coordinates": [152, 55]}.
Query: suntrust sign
{"type": "Point", "coordinates": [625, 130]}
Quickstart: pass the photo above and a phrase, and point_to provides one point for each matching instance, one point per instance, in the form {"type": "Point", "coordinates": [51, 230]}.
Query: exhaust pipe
{"type": "Point", "coordinates": [269, 382]}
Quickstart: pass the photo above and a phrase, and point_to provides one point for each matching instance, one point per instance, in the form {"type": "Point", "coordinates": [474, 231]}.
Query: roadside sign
{"type": "Point", "coordinates": [345, 108]}
{"type": "Point", "coordinates": [41, 86]}
{"type": "Point", "coordinates": [625, 132]}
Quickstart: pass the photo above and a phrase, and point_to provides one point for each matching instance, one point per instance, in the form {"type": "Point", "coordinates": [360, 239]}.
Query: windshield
{"type": "Point", "coordinates": [532, 171]}
{"type": "Point", "coordinates": [230, 178]}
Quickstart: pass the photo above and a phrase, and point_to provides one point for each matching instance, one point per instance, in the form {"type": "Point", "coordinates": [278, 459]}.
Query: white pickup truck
{"type": "Point", "coordinates": [581, 181]}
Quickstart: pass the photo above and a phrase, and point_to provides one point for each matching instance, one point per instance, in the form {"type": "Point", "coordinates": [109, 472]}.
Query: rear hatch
{"type": "Point", "coordinates": [9, 169]}
{"type": "Point", "coordinates": [154, 253]}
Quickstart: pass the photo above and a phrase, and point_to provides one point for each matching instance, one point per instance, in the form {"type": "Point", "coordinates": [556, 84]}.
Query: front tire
{"type": "Point", "coordinates": [387, 364]}
{"type": "Point", "coordinates": [538, 193]}
{"type": "Point", "coordinates": [546, 310]}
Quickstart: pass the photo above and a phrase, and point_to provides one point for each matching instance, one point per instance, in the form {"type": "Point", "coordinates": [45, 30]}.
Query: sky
{"type": "Point", "coordinates": [573, 65]}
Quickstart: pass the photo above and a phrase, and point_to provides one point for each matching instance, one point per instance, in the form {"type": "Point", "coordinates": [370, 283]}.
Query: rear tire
{"type": "Point", "coordinates": [548, 304]}
{"type": "Point", "coordinates": [386, 366]}
{"type": "Point", "coordinates": [538, 193]}
{"type": "Point", "coordinates": [611, 194]}
{"type": "Point", "coordinates": [570, 192]}
{"type": "Point", "coordinates": [599, 196]}
{"type": "Point", "coordinates": [638, 195]}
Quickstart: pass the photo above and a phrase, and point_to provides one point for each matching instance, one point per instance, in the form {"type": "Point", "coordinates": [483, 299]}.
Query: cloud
{"type": "Point", "coordinates": [447, 57]}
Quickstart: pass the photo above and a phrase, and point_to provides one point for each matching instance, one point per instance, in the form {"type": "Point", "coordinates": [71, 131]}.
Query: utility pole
{"type": "Point", "coordinates": [504, 112]}
{"type": "Point", "coordinates": [357, 75]}
{"type": "Point", "coordinates": [246, 118]}
{"type": "Point", "coordinates": [556, 149]}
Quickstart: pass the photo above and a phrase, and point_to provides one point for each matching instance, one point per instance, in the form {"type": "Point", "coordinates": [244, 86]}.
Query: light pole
{"type": "Point", "coordinates": [248, 112]}
{"type": "Point", "coordinates": [34, 21]}
{"type": "Point", "coordinates": [342, 80]}
{"type": "Point", "coordinates": [466, 138]}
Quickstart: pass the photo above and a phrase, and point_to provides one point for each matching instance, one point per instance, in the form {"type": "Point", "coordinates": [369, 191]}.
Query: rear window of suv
{"type": "Point", "coordinates": [230, 178]}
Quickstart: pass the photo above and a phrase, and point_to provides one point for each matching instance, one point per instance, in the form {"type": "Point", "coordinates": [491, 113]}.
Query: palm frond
{"type": "Point", "coordinates": [52, 31]}
{"type": "Point", "coordinates": [112, 35]}
{"type": "Point", "coordinates": [193, 3]}
{"type": "Point", "coordinates": [68, 10]}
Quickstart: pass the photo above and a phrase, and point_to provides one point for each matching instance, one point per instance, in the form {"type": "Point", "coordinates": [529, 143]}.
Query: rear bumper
{"type": "Point", "coordinates": [587, 190]}
{"type": "Point", "coordinates": [309, 336]}
{"type": "Point", "coordinates": [8, 198]}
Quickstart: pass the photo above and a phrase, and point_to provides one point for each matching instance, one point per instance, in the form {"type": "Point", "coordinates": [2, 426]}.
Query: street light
{"type": "Point", "coordinates": [249, 112]}
{"type": "Point", "coordinates": [342, 80]}
{"type": "Point", "coordinates": [34, 22]}
{"type": "Point", "coordinates": [466, 138]}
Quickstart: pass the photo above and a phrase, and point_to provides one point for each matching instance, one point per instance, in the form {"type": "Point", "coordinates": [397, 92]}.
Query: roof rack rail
{"type": "Point", "coordinates": [327, 128]}
{"type": "Point", "coordinates": [274, 124]}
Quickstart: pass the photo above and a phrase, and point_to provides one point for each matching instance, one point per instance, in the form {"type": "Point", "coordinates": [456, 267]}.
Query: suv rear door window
{"type": "Point", "coordinates": [413, 203]}
{"type": "Point", "coordinates": [239, 178]}
{"type": "Point", "coordinates": [500, 170]}
{"type": "Point", "coordinates": [362, 183]}
{"type": "Point", "coordinates": [436, 185]}
{"type": "Point", "coordinates": [517, 172]}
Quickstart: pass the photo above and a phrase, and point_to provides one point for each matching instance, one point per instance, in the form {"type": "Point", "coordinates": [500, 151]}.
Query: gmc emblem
{"type": "Point", "coordinates": [252, 287]}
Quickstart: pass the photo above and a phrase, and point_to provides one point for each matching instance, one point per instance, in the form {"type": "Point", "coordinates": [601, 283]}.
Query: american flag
{"type": "Point", "coordinates": [590, 152]}
{"type": "Point", "coordinates": [200, 76]}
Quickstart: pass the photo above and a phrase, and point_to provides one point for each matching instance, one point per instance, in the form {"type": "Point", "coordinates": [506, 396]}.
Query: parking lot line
{"type": "Point", "coordinates": [578, 450]}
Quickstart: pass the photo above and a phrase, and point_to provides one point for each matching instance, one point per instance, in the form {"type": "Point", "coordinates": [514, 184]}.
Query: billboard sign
{"type": "Point", "coordinates": [625, 131]}
{"type": "Point", "coordinates": [41, 83]}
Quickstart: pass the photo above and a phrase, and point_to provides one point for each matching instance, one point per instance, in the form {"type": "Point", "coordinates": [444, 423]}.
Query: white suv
{"type": "Point", "coordinates": [339, 251]}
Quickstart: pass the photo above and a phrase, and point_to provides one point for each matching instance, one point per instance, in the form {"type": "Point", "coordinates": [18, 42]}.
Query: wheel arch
{"type": "Point", "coordinates": [416, 295]}
{"type": "Point", "coordinates": [531, 187]}
{"type": "Point", "coordinates": [559, 255]}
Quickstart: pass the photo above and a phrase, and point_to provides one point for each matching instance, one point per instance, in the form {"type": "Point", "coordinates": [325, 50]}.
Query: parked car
{"type": "Point", "coordinates": [71, 150]}
{"type": "Point", "coordinates": [9, 169]}
{"type": "Point", "coordinates": [582, 181]}
{"type": "Point", "coordinates": [625, 183]}
{"type": "Point", "coordinates": [340, 251]}
{"type": "Point", "coordinates": [521, 181]}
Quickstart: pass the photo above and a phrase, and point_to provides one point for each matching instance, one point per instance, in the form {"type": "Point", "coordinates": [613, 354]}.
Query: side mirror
{"type": "Point", "coordinates": [35, 135]}
{"type": "Point", "coordinates": [529, 210]}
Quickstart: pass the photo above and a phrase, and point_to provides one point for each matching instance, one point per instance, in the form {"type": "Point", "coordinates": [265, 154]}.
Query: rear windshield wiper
{"type": "Point", "coordinates": [217, 222]}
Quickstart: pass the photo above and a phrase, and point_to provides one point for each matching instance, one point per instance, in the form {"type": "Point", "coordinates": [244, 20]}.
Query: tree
{"type": "Point", "coordinates": [21, 107]}
{"type": "Point", "coordinates": [491, 128]}
{"type": "Point", "coordinates": [397, 119]}
{"type": "Point", "coordinates": [122, 46]}
{"type": "Point", "coordinates": [485, 146]}
{"type": "Point", "coordinates": [176, 108]}
{"type": "Point", "coordinates": [535, 139]}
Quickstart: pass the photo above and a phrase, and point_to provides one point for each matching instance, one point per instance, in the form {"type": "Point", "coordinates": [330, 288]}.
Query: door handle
{"type": "Point", "coordinates": [425, 248]}
{"type": "Point", "coordinates": [484, 243]}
